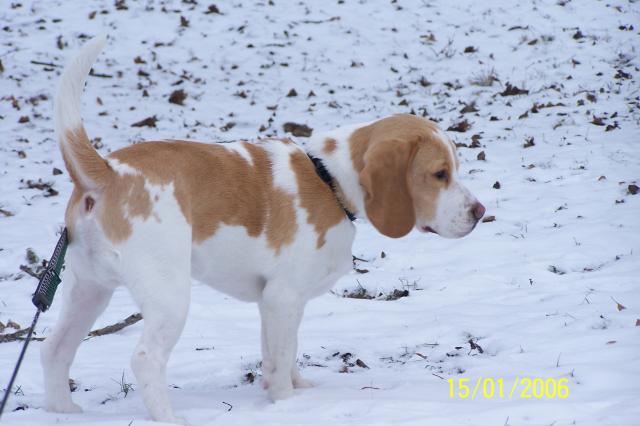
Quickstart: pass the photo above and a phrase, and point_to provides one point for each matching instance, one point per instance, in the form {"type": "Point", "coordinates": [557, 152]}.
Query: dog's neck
{"type": "Point", "coordinates": [335, 156]}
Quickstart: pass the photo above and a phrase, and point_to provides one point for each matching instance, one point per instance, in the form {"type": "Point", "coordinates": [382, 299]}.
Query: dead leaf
{"type": "Point", "coordinates": [361, 364]}
{"type": "Point", "coordinates": [471, 107]}
{"type": "Point", "coordinates": [461, 126]}
{"type": "Point", "coordinates": [513, 91]}
{"type": "Point", "coordinates": [177, 97]}
{"type": "Point", "coordinates": [13, 324]}
{"type": "Point", "coordinates": [529, 142]}
{"type": "Point", "coordinates": [633, 189]}
{"type": "Point", "coordinates": [482, 156]}
{"type": "Point", "coordinates": [149, 122]}
{"type": "Point", "coordinates": [297, 129]}
{"type": "Point", "coordinates": [488, 219]}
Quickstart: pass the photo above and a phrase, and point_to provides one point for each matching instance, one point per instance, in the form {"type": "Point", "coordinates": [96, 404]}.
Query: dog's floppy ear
{"type": "Point", "coordinates": [387, 201]}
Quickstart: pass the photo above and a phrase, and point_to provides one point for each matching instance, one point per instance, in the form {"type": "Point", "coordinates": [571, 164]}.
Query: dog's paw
{"type": "Point", "coordinates": [63, 407]}
{"type": "Point", "coordinates": [178, 421]}
{"type": "Point", "coordinates": [280, 392]}
{"type": "Point", "coordinates": [300, 383]}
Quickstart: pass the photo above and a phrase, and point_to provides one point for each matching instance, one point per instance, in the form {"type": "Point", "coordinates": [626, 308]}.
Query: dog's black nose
{"type": "Point", "coordinates": [478, 210]}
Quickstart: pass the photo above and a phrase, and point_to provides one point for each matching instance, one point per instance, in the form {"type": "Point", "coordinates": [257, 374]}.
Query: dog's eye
{"type": "Point", "coordinates": [441, 175]}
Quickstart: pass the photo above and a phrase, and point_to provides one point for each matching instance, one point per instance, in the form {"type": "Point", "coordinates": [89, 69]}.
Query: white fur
{"type": "Point", "coordinates": [66, 107]}
{"type": "Point", "coordinates": [339, 164]}
{"type": "Point", "coordinates": [454, 215]}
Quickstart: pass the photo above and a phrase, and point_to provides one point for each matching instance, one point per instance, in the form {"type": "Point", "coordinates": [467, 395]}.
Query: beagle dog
{"type": "Point", "coordinates": [154, 215]}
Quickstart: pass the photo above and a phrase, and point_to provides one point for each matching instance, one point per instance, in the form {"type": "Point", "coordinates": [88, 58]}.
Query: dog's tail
{"type": "Point", "coordinates": [87, 168]}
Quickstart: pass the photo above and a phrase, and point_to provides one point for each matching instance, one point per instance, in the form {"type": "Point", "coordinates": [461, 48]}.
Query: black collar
{"type": "Point", "coordinates": [326, 177]}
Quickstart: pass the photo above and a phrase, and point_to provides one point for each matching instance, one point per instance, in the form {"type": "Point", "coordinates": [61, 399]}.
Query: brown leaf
{"type": "Point", "coordinates": [496, 185]}
{"type": "Point", "coordinates": [292, 93]}
{"type": "Point", "coordinates": [513, 91]}
{"type": "Point", "coordinates": [177, 97]}
{"type": "Point", "coordinates": [482, 156]}
{"type": "Point", "coordinates": [213, 9]}
{"type": "Point", "coordinates": [361, 364]}
{"type": "Point", "coordinates": [638, 323]}
{"type": "Point", "coordinates": [13, 324]}
{"type": "Point", "coordinates": [633, 189]}
{"type": "Point", "coordinates": [297, 129]}
{"type": "Point", "coordinates": [471, 107]}
{"type": "Point", "coordinates": [598, 121]}
{"type": "Point", "coordinates": [461, 126]}
{"type": "Point", "coordinates": [488, 219]}
{"type": "Point", "coordinates": [529, 142]}
{"type": "Point", "coordinates": [149, 122]}
{"type": "Point", "coordinates": [475, 346]}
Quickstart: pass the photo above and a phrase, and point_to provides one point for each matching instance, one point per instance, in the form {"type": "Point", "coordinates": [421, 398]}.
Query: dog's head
{"type": "Point", "coordinates": [409, 175]}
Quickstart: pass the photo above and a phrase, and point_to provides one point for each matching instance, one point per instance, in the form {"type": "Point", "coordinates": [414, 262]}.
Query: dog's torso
{"type": "Point", "coordinates": [239, 213]}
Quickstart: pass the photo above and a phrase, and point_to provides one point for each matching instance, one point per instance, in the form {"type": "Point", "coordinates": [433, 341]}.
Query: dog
{"type": "Point", "coordinates": [154, 215]}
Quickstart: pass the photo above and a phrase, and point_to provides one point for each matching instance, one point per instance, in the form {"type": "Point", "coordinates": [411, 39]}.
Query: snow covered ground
{"type": "Point", "coordinates": [549, 289]}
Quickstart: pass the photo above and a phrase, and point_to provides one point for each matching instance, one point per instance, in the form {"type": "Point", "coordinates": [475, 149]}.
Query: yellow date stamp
{"type": "Point", "coordinates": [521, 388]}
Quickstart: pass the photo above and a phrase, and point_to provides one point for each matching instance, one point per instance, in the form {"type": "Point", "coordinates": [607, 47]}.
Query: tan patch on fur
{"type": "Point", "coordinates": [330, 145]}
{"type": "Point", "coordinates": [344, 200]}
{"type": "Point", "coordinates": [395, 158]}
{"type": "Point", "coordinates": [123, 199]}
{"type": "Point", "coordinates": [213, 186]}
{"type": "Point", "coordinates": [80, 158]}
{"type": "Point", "coordinates": [72, 210]}
{"type": "Point", "coordinates": [323, 210]}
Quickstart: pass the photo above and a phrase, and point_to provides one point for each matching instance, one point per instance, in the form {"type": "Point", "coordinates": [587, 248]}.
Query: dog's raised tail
{"type": "Point", "coordinates": [87, 168]}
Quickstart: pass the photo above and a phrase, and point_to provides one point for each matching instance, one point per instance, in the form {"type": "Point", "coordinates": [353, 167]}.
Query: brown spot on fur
{"type": "Point", "coordinates": [395, 158]}
{"type": "Point", "coordinates": [281, 225]}
{"type": "Point", "coordinates": [86, 167]}
{"type": "Point", "coordinates": [212, 184]}
{"type": "Point", "coordinates": [330, 145]}
{"type": "Point", "coordinates": [323, 210]}
{"type": "Point", "coordinates": [124, 198]}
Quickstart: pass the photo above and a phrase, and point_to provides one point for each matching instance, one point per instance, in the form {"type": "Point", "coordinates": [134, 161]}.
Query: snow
{"type": "Point", "coordinates": [363, 60]}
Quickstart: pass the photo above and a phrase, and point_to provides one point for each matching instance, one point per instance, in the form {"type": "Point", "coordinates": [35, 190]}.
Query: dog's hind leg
{"type": "Point", "coordinates": [84, 300]}
{"type": "Point", "coordinates": [163, 294]}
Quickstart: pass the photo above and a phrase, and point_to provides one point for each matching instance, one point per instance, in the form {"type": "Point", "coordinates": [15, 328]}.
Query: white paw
{"type": "Point", "coordinates": [178, 420]}
{"type": "Point", "coordinates": [300, 383]}
{"type": "Point", "coordinates": [63, 407]}
{"type": "Point", "coordinates": [280, 392]}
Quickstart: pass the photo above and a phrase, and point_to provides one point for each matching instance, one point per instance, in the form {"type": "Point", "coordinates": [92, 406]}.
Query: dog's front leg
{"type": "Point", "coordinates": [281, 310]}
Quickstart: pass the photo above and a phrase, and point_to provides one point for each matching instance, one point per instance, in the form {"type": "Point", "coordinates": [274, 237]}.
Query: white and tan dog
{"type": "Point", "coordinates": [153, 215]}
